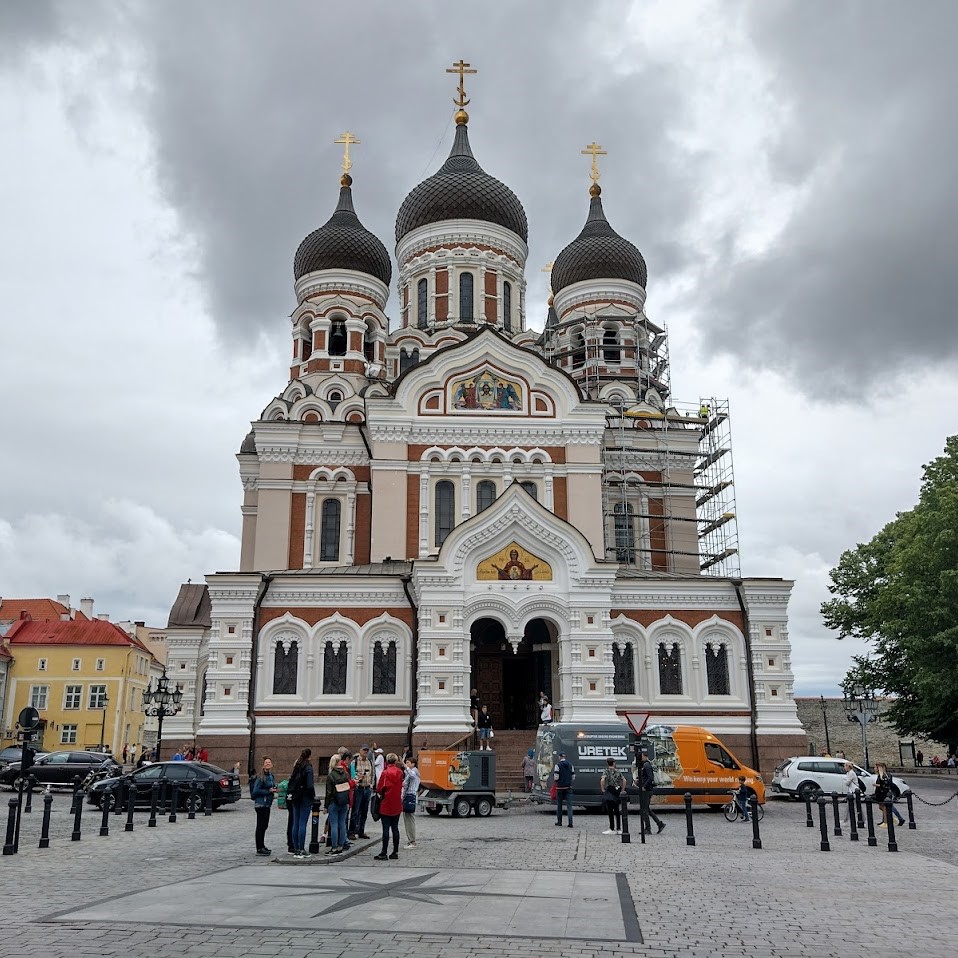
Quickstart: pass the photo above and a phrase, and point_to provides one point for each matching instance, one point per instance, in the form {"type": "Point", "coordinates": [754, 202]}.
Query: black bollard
{"type": "Point", "coordinates": [208, 806]}
{"type": "Point", "coordinates": [314, 828]}
{"type": "Point", "coordinates": [852, 817]}
{"type": "Point", "coordinates": [870, 819]}
{"type": "Point", "coordinates": [154, 801]}
{"type": "Point", "coordinates": [76, 794]}
{"type": "Point", "coordinates": [890, 823]}
{"type": "Point", "coordinates": [31, 781]}
{"type": "Point", "coordinates": [858, 810]}
{"type": "Point", "coordinates": [911, 812]}
{"type": "Point", "coordinates": [77, 815]}
{"type": "Point", "coordinates": [119, 790]}
{"type": "Point", "coordinates": [107, 797]}
{"type": "Point", "coordinates": [756, 836]}
{"type": "Point", "coordinates": [809, 821]}
{"type": "Point", "coordinates": [838, 823]}
{"type": "Point", "coordinates": [624, 801]}
{"type": "Point", "coordinates": [823, 822]}
{"type": "Point", "coordinates": [191, 801]}
{"type": "Point", "coordinates": [8, 847]}
{"type": "Point", "coordinates": [130, 806]}
{"type": "Point", "coordinates": [21, 786]}
{"type": "Point", "coordinates": [174, 798]}
{"type": "Point", "coordinates": [690, 832]}
{"type": "Point", "coordinates": [45, 826]}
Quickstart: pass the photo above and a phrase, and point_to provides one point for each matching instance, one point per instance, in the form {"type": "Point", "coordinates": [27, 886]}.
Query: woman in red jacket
{"type": "Point", "coordinates": [389, 787]}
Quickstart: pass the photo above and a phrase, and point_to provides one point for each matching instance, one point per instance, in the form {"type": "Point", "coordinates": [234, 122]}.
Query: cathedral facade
{"type": "Point", "coordinates": [454, 501]}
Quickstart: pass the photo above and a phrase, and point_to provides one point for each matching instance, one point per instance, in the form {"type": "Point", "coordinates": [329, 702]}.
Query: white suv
{"type": "Point", "coordinates": [809, 775]}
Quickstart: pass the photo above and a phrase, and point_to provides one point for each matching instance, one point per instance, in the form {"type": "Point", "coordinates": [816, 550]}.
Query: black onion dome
{"type": "Point", "coordinates": [461, 190]}
{"type": "Point", "coordinates": [598, 252]}
{"type": "Point", "coordinates": [343, 243]}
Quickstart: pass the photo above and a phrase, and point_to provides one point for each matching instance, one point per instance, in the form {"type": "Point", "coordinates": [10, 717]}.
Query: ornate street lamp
{"type": "Point", "coordinates": [160, 700]}
{"type": "Point", "coordinates": [861, 706]}
{"type": "Point", "coordinates": [106, 700]}
{"type": "Point", "coordinates": [828, 744]}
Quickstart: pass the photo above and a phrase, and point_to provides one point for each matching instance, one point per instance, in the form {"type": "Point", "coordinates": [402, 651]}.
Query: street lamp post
{"type": "Point", "coordinates": [861, 706]}
{"type": "Point", "coordinates": [160, 700]}
{"type": "Point", "coordinates": [106, 701]}
{"type": "Point", "coordinates": [828, 744]}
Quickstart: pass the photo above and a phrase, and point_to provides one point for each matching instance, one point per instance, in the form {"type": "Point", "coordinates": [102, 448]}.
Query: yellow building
{"type": "Point", "coordinates": [86, 678]}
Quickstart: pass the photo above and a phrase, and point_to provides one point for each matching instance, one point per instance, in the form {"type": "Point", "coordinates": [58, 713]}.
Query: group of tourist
{"type": "Point", "coordinates": [883, 789]}
{"type": "Point", "coordinates": [357, 786]}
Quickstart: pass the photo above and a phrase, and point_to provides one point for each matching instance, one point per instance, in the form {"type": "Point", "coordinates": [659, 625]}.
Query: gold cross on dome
{"type": "Point", "coordinates": [462, 68]}
{"type": "Point", "coordinates": [594, 150]}
{"type": "Point", "coordinates": [346, 139]}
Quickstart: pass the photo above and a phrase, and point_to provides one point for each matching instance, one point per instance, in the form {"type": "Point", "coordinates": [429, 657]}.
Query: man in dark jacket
{"type": "Point", "coordinates": [647, 783]}
{"type": "Point", "coordinates": [564, 776]}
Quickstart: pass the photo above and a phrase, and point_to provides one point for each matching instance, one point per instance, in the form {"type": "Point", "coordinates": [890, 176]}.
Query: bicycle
{"type": "Point", "coordinates": [733, 812]}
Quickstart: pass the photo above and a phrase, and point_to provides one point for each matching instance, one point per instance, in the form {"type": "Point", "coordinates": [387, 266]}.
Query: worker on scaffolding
{"type": "Point", "coordinates": [705, 410]}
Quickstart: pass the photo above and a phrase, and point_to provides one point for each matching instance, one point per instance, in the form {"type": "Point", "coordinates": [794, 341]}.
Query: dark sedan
{"type": "Point", "coordinates": [226, 785]}
{"type": "Point", "coordinates": [14, 753]}
{"type": "Point", "coordinates": [57, 768]}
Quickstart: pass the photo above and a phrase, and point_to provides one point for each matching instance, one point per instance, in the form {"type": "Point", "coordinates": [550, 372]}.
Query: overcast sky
{"type": "Point", "coordinates": [787, 169]}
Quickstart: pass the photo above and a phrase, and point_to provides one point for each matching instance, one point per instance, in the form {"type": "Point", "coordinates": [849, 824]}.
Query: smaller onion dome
{"type": "Point", "coordinates": [343, 243]}
{"type": "Point", "coordinates": [598, 252]}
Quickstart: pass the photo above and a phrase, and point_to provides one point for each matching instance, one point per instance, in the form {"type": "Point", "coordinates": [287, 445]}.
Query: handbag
{"type": "Point", "coordinates": [374, 803]}
{"type": "Point", "coordinates": [554, 792]}
{"type": "Point", "coordinates": [409, 802]}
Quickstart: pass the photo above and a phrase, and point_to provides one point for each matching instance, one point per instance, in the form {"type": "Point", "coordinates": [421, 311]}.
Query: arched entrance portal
{"type": "Point", "coordinates": [509, 682]}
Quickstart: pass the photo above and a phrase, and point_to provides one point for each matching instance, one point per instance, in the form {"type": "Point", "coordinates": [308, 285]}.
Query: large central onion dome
{"type": "Point", "coordinates": [598, 252]}
{"type": "Point", "coordinates": [461, 190]}
{"type": "Point", "coordinates": [343, 243]}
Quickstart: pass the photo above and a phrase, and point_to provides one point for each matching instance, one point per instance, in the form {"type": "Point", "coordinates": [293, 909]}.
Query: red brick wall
{"type": "Point", "coordinates": [297, 529]}
{"type": "Point", "coordinates": [412, 517]}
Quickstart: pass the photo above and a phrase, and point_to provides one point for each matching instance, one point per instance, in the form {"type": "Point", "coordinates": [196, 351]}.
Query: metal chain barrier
{"type": "Point", "coordinates": [950, 798]}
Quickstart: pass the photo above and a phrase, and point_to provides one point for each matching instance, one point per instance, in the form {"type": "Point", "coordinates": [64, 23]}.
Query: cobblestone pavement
{"type": "Point", "coordinates": [719, 899]}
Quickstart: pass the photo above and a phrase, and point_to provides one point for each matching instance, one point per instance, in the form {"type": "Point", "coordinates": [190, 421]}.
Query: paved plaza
{"type": "Point", "coordinates": [512, 884]}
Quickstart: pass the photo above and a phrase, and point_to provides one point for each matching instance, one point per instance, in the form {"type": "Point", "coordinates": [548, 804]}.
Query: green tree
{"type": "Point", "coordinates": [899, 593]}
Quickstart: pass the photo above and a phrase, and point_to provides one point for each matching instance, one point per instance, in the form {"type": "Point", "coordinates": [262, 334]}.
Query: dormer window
{"type": "Point", "coordinates": [334, 398]}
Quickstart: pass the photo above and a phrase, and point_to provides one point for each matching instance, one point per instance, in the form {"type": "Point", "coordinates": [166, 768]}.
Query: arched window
{"type": "Point", "coordinates": [334, 398]}
{"type": "Point", "coordinates": [624, 523]}
{"type": "Point", "coordinates": [623, 658]}
{"type": "Point", "coordinates": [384, 668]}
{"type": "Point", "coordinates": [485, 494]}
{"type": "Point", "coordinates": [329, 531]}
{"type": "Point", "coordinates": [369, 346]}
{"type": "Point", "coordinates": [670, 669]}
{"type": "Point", "coordinates": [507, 307]}
{"type": "Point", "coordinates": [716, 668]}
{"type": "Point", "coordinates": [530, 487]}
{"type": "Point", "coordinates": [422, 304]}
{"type": "Point", "coordinates": [578, 350]}
{"type": "Point", "coordinates": [337, 338]}
{"type": "Point", "coordinates": [285, 667]}
{"type": "Point", "coordinates": [445, 510]}
{"type": "Point", "coordinates": [408, 359]}
{"type": "Point", "coordinates": [306, 346]}
{"type": "Point", "coordinates": [610, 346]}
{"type": "Point", "coordinates": [335, 659]}
{"type": "Point", "coordinates": [466, 312]}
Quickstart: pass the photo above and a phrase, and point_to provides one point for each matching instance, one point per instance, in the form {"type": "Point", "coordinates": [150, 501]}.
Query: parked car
{"type": "Point", "coordinates": [56, 768]}
{"type": "Point", "coordinates": [811, 775]}
{"type": "Point", "coordinates": [226, 785]}
{"type": "Point", "coordinates": [14, 753]}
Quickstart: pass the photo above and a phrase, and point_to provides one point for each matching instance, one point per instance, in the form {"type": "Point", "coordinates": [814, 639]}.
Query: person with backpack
{"type": "Point", "coordinates": [262, 789]}
{"type": "Point", "coordinates": [337, 804]}
{"type": "Point", "coordinates": [301, 792]}
{"type": "Point", "coordinates": [647, 784]}
{"type": "Point", "coordinates": [611, 784]}
{"type": "Point", "coordinates": [564, 775]}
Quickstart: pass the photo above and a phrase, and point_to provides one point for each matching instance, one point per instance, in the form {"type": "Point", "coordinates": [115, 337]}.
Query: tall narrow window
{"type": "Point", "coordinates": [507, 307]}
{"type": "Point", "coordinates": [329, 531]}
{"type": "Point", "coordinates": [610, 346]}
{"type": "Point", "coordinates": [335, 659]}
{"type": "Point", "coordinates": [384, 668]}
{"type": "Point", "coordinates": [307, 346]}
{"type": "Point", "coordinates": [422, 304]}
{"type": "Point", "coordinates": [337, 338]}
{"type": "Point", "coordinates": [408, 359]}
{"type": "Point", "coordinates": [445, 510]}
{"type": "Point", "coordinates": [670, 669]}
{"type": "Point", "coordinates": [285, 668]}
{"type": "Point", "coordinates": [578, 350]}
{"type": "Point", "coordinates": [369, 347]}
{"type": "Point", "coordinates": [530, 487]}
{"type": "Point", "coordinates": [485, 494]}
{"type": "Point", "coordinates": [716, 668]}
{"type": "Point", "coordinates": [466, 312]}
{"type": "Point", "coordinates": [624, 523]}
{"type": "Point", "coordinates": [623, 658]}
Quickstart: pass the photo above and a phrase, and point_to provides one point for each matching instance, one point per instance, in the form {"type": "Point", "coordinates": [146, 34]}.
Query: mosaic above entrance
{"type": "Point", "coordinates": [487, 391]}
{"type": "Point", "coordinates": [514, 564]}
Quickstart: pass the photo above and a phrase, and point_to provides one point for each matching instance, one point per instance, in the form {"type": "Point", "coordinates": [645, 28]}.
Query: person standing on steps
{"type": "Point", "coordinates": [485, 729]}
{"type": "Point", "coordinates": [564, 777]}
{"type": "Point", "coordinates": [262, 791]}
{"type": "Point", "coordinates": [646, 784]}
{"type": "Point", "coordinates": [390, 789]}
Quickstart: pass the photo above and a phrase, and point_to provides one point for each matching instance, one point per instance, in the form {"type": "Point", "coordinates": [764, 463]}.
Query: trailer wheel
{"type": "Point", "coordinates": [433, 811]}
{"type": "Point", "coordinates": [483, 807]}
{"type": "Point", "coordinates": [461, 808]}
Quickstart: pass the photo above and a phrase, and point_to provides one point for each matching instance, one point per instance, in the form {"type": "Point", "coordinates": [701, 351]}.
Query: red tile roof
{"type": "Point", "coordinates": [77, 632]}
{"type": "Point", "coordinates": [39, 609]}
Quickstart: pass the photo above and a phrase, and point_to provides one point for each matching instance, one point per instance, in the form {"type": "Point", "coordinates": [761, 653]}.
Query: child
{"type": "Point", "coordinates": [742, 795]}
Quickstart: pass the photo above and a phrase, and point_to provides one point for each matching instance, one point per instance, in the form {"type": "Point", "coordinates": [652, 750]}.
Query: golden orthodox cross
{"type": "Point", "coordinates": [594, 150]}
{"type": "Point", "coordinates": [462, 68]}
{"type": "Point", "coordinates": [346, 139]}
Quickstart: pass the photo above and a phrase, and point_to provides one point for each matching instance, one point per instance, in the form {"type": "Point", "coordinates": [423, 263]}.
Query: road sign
{"type": "Point", "coordinates": [29, 718]}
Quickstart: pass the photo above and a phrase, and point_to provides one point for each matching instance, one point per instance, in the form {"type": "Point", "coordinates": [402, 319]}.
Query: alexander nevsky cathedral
{"type": "Point", "coordinates": [443, 498]}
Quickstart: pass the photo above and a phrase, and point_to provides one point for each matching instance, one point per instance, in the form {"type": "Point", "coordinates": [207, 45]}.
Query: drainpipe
{"type": "Point", "coordinates": [753, 726]}
{"type": "Point", "coordinates": [414, 697]}
{"type": "Point", "coordinates": [251, 698]}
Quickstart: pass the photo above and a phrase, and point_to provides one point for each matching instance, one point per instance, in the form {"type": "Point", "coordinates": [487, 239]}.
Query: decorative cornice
{"type": "Point", "coordinates": [461, 233]}
{"type": "Point", "coordinates": [517, 432]}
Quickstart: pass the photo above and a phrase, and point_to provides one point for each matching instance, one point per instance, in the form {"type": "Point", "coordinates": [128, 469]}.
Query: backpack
{"type": "Point", "coordinates": [281, 791]}
{"type": "Point", "coordinates": [295, 786]}
{"type": "Point", "coordinates": [613, 782]}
